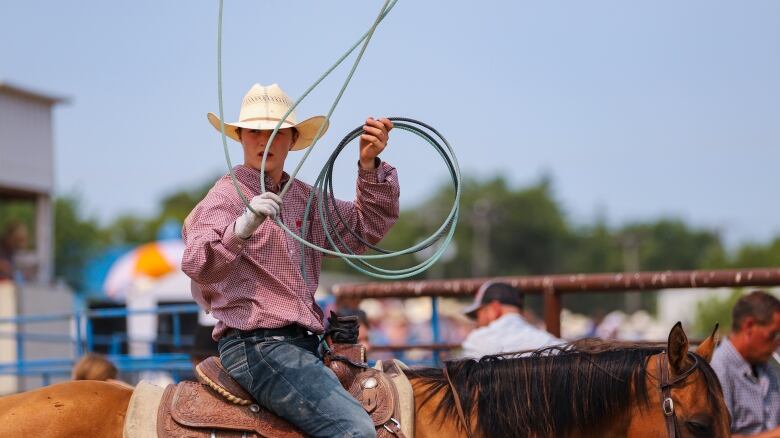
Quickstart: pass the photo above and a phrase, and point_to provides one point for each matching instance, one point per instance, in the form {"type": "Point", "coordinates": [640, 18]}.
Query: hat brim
{"type": "Point", "coordinates": [307, 129]}
{"type": "Point", "coordinates": [471, 311]}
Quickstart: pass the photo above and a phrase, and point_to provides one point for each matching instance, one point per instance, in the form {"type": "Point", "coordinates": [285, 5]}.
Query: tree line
{"type": "Point", "coordinates": [503, 230]}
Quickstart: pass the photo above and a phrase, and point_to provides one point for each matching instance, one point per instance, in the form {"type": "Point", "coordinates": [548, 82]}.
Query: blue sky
{"type": "Point", "coordinates": [637, 110]}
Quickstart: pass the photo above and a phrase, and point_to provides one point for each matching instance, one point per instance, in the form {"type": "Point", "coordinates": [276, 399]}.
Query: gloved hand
{"type": "Point", "coordinates": [267, 205]}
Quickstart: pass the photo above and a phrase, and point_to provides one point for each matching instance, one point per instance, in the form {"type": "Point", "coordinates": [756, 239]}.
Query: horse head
{"type": "Point", "coordinates": [685, 394]}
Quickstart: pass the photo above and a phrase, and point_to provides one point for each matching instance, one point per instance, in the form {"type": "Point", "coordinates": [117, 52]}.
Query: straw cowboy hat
{"type": "Point", "coordinates": [263, 108]}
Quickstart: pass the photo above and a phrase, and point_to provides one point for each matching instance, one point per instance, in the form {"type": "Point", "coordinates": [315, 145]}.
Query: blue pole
{"type": "Point", "coordinates": [115, 343]}
{"type": "Point", "coordinates": [20, 364]}
{"type": "Point", "coordinates": [89, 335]}
{"type": "Point", "coordinates": [79, 346]}
{"type": "Point", "coordinates": [176, 330]}
{"type": "Point", "coordinates": [435, 327]}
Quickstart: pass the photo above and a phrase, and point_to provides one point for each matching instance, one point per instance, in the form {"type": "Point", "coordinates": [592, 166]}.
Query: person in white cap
{"type": "Point", "coordinates": [501, 328]}
{"type": "Point", "coordinates": [248, 272]}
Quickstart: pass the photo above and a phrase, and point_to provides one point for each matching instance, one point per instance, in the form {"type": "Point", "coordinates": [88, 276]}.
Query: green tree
{"type": "Point", "coordinates": [672, 244]}
{"type": "Point", "coordinates": [715, 310]}
{"type": "Point", "coordinates": [593, 249]}
{"type": "Point", "coordinates": [516, 231]}
{"type": "Point", "coordinates": [131, 229]}
{"type": "Point", "coordinates": [752, 255]}
{"type": "Point", "coordinates": [177, 205]}
{"type": "Point", "coordinates": [76, 240]}
{"type": "Point", "coordinates": [18, 210]}
{"type": "Point", "coordinates": [503, 230]}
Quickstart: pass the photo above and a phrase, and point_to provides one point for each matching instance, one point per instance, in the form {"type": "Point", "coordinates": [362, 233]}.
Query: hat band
{"type": "Point", "coordinates": [273, 119]}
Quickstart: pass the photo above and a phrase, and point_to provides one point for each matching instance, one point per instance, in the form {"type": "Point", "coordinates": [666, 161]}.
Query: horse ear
{"type": "Point", "coordinates": [677, 347]}
{"type": "Point", "coordinates": [708, 345]}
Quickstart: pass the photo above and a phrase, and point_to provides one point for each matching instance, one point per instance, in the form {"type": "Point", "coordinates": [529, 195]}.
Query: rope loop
{"type": "Point", "coordinates": [322, 195]}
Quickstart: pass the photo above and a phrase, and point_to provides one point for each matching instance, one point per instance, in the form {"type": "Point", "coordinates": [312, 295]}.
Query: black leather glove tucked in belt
{"type": "Point", "coordinates": [343, 329]}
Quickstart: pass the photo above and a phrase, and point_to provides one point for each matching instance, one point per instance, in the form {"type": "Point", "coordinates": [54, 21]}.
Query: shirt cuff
{"type": "Point", "coordinates": [375, 175]}
{"type": "Point", "coordinates": [231, 241]}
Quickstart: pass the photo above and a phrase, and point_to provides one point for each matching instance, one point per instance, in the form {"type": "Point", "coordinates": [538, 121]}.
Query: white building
{"type": "Point", "coordinates": [27, 175]}
{"type": "Point", "coordinates": [27, 161]}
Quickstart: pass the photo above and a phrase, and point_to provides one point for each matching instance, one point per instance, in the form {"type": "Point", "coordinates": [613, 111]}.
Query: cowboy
{"type": "Point", "coordinates": [249, 272]}
{"type": "Point", "coordinates": [751, 387]}
{"type": "Point", "coordinates": [501, 328]}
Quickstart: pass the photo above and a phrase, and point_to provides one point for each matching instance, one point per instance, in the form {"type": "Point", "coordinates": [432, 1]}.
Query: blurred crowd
{"type": "Point", "coordinates": [396, 322]}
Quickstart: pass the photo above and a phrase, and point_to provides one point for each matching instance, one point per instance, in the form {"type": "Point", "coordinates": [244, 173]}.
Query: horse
{"type": "Point", "coordinates": [580, 389]}
{"type": "Point", "coordinates": [587, 388]}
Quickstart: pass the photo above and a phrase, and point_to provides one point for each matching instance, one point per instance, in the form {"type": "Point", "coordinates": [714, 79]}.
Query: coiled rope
{"type": "Point", "coordinates": [322, 194]}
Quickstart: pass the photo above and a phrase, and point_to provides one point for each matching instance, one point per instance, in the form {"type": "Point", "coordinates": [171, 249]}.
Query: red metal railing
{"type": "Point", "coordinates": [553, 286]}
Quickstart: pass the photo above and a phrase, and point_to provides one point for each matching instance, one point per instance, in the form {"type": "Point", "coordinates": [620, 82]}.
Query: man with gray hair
{"type": "Point", "coordinates": [751, 387]}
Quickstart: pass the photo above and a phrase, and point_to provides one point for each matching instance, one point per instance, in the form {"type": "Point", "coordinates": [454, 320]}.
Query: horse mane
{"type": "Point", "coordinates": [548, 392]}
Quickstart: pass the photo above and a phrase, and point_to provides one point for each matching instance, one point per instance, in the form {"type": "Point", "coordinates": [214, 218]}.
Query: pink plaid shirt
{"type": "Point", "coordinates": [257, 283]}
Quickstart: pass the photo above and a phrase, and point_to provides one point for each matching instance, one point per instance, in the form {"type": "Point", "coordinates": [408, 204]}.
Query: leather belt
{"type": "Point", "coordinates": [288, 331]}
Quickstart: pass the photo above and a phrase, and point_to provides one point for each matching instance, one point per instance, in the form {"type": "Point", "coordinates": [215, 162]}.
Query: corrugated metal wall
{"type": "Point", "coordinates": [26, 151]}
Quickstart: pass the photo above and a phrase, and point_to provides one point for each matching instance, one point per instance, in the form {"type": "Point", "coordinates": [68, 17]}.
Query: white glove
{"type": "Point", "coordinates": [267, 205]}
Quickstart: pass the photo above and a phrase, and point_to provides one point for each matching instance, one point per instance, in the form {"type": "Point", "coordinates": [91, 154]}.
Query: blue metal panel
{"type": "Point", "coordinates": [176, 330]}
{"type": "Point", "coordinates": [89, 335]}
{"type": "Point", "coordinates": [84, 339]}
{"type": "Point", "coordinates": [435, 320]}
{"type": "Point", "coordinates": [435, 328]}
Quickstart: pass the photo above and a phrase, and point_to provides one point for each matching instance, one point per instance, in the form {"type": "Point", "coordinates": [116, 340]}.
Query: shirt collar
{"type": "Point", "coordinates": [509, 318]}
{"type": "Point", "coordinates": [250, 177]}
{"type": "Point", "coordinates": [739, 363]}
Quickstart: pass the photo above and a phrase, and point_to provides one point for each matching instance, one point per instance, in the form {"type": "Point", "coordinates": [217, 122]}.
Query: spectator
{"type": "Point", "coordinates": [396, 330]}
{"type": "Point", "coordinates": [14, 239]}
{"type": "Point", "coordinates": [751, 388]}
{"type": "Point", "coordinates": [501, 328]}
{"type": "Point", "coordinates": [94, 366]}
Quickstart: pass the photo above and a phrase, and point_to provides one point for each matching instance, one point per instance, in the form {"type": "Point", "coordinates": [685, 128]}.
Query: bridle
{"type": "Point", "coordinates": [665, 385]}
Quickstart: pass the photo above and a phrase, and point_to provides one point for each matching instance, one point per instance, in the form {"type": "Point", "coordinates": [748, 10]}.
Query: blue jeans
{"type": "Point", "coordinates": [286, 375]}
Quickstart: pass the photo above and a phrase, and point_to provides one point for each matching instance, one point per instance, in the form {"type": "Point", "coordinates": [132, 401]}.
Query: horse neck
{"type": "Point", "coordinates": [429, 426]}
{"type": "Point", "coordinates": [426, 425]}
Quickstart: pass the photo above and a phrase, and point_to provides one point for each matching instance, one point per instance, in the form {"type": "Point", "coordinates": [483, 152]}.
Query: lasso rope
{"type": "Point", "coordinates": [324, 183]}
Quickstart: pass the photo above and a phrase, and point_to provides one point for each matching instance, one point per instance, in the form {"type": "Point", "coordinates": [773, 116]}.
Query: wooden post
{"type": "Point", "coordinates": [552, 311]}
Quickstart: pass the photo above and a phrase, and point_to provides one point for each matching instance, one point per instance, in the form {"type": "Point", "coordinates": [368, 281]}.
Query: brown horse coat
{"type": "Point", "coordinates": [76, 409]}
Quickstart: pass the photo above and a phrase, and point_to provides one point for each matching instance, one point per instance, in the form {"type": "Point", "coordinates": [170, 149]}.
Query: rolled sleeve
{"type": "Point", "coordinates": [376, 208]}
{"type": "Point", "coordinates": [375, 175]}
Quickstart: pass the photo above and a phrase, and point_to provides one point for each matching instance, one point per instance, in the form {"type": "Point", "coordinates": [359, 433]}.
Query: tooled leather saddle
{"type": "Point", "coordinates": [219, 407]}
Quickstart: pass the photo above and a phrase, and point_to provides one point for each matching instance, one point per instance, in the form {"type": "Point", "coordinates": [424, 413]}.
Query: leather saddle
{"type": "Point", "coordinates": [219, 407]}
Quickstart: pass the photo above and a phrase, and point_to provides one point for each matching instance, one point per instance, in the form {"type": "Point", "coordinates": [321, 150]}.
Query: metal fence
{"type": "Point", "coordinates": [553, 287]}
{"type": "Point", "coordinates": [83, 339]}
